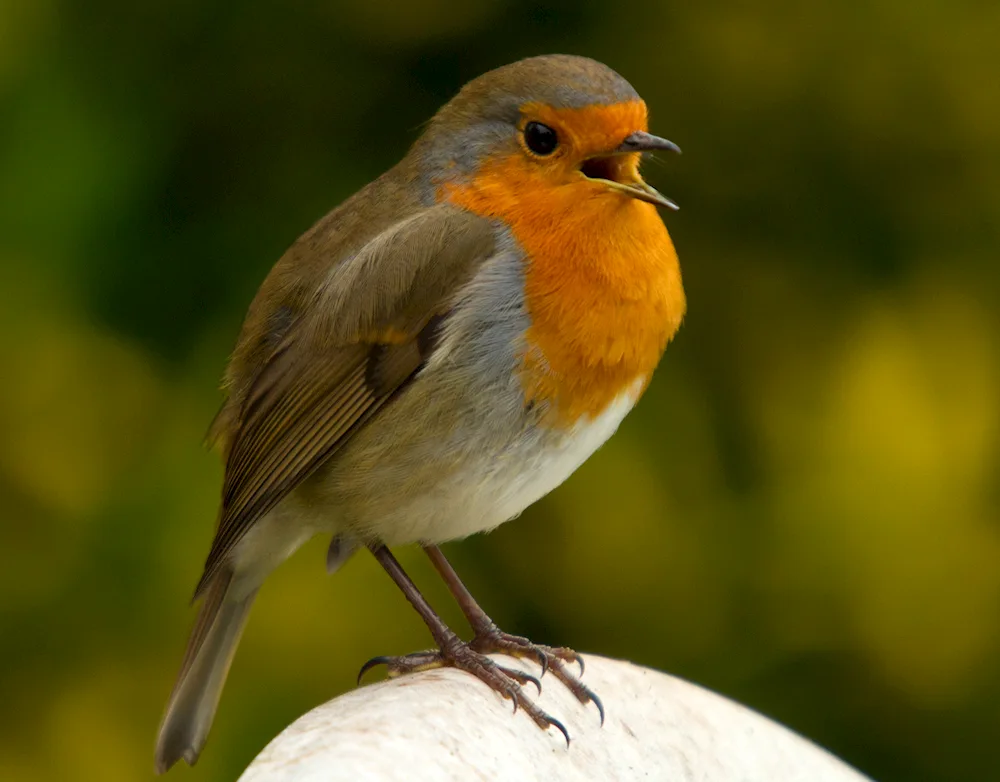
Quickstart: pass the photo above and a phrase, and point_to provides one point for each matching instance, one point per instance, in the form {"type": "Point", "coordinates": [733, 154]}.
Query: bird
{"type": "Point", "coordinates": [436, 354]}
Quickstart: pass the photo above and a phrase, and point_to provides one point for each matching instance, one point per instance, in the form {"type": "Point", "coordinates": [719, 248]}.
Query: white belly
{"type": "Point", "coordinates": [495, 489]}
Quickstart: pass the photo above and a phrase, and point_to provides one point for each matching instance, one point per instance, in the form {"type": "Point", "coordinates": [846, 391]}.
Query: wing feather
{"type": "Point", "coordinates": [370, 329]}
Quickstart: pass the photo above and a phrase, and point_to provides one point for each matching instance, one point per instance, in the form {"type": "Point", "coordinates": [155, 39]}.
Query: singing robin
{"type": "Point", "coordinates": [437, 353]}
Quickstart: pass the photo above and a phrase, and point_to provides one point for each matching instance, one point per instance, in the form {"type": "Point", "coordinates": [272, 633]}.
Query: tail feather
{"type": "Point", "coordinates": [195, 698]}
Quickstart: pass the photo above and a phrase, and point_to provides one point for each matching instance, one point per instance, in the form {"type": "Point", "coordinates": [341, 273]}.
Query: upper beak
{"type": "Point", "coordinates": [641, 141]}
{"type": "Point", "coordinates": [634, 186]}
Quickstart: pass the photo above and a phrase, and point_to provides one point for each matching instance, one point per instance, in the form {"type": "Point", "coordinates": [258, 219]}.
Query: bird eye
{"type": "Point", "coordinates": [541, 139]}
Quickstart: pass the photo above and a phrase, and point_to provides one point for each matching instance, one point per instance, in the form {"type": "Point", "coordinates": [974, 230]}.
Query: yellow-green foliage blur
{"type": "Point", "coordinates": [804, 511]}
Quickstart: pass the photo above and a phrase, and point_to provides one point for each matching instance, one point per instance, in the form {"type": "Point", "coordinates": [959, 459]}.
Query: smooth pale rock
{"type": "Point", "coordinates": [446, 725]}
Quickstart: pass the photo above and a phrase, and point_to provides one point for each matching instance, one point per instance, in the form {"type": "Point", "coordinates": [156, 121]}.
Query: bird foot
{"type": "Point", "coordinates": [492, 640]}
{"type": "Point", "coordinates": [461, 655]}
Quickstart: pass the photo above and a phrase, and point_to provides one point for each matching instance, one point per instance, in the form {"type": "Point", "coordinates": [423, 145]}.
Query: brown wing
{"type": "Point", "coordinates": [370, 328]}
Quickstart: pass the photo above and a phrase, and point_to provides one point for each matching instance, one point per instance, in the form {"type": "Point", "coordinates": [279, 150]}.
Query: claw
{"type": "Point", "coordinates": [532, 680]}
{"type": "Point", "coordinates": [371, 664]}
{"type": "Point", "coordinates": [472, 657]}
{"type": "Point", "coordinates": [568, 656]}
{"type": "Point", "coordinates": [599, 705]}
{"type": "Point", "coordinates": [549, 659]}
{"type": "Point", "coordinates": [558, 726]}
{"type": "Point", "coordinates": [543, 661]}
{"type": "Point", "coordinates": [521, 677]}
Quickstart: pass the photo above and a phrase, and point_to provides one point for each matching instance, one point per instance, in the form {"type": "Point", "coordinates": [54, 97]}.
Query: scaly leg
{"type": "Point", "coordinates": [453, 652]}
{"type": "Point", "coordinates": [489, 639]}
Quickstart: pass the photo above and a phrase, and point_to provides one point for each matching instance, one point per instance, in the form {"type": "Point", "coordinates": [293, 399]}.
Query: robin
{"type": "Point", "coordinates": [437, 353]}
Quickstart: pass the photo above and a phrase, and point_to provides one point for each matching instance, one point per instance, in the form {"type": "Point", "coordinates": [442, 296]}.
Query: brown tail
{"type": "Point", "coordinates": [206, 662]}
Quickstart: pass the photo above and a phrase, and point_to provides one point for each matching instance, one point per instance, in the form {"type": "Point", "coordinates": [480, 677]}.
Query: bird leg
{"type": "Point", "coordinates": [489, 639]}
{"type": "Point", "coordinates": [453, 652]}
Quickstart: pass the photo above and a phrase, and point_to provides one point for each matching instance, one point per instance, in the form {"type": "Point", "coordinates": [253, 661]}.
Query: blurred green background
{"type": "Point", "coordinates": [803, 513]}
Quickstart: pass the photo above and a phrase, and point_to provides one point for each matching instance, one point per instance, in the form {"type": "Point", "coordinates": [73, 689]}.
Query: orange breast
{"type": "Point", "coordinates": [602, 282]}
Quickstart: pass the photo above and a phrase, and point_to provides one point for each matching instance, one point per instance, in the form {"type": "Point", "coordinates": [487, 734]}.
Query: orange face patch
{"type": "Point", "coordinates": [602, 281]}
{"type": "Point", "coordinates": [588, 130]}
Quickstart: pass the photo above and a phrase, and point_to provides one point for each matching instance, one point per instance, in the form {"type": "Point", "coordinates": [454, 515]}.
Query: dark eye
{"type": "Point", "coordinates": [541, 139]}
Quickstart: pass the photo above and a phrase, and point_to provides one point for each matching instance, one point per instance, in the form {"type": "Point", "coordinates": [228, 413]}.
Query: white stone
{"type": "Point", "coordinates": [444, 725]}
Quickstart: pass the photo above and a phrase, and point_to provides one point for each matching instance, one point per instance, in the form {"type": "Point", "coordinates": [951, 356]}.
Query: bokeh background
{"type": "Point", "coordinates": [803, 513]}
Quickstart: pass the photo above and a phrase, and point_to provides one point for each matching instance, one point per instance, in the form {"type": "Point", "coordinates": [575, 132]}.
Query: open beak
{"type": "Point", "coordinates": [622, 173]}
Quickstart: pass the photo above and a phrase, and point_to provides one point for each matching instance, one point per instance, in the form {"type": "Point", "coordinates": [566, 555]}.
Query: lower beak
{"type": "Point", "coordinates": [627, 179]}
{"type": "Point", "coordinates": [643, 192]}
